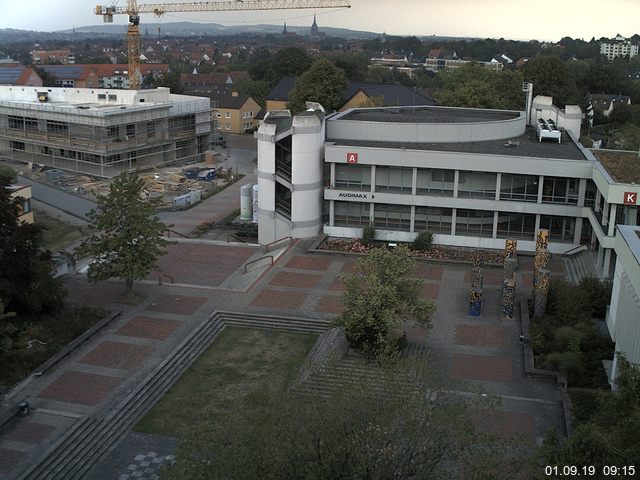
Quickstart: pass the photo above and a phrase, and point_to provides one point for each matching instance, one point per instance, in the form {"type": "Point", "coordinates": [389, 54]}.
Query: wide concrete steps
{"type": "Point", "coordinates": [581, 266]}
{"type": "Point", "coordinates": [91, 438]}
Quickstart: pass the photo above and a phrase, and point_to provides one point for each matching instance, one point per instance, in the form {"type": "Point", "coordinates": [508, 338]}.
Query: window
{"type": "Point", "coordinates": [394, 179]}
{"type": "Point", "coordinates": [57, 128]}
{"type": "Point", "coordinates": [353, 177]}
{"type": "Point", "coordinates": [227, 115]}
{"type": "Point", "coordinates": [31, 124]}
{"type": "Point", "coordinates": [351, 214]}
{"type": "Point", "coordinates": [477, 184]}
{"type": "Point", "coordinates": [250, 114]}
{"type": "Point", "coordinates": [433, 219]}
{"type": "Point", "coordinates": [435, 182]}
{"type": "Point", "coordinates": [131, 130]}
{"type": "Point", "coordinates": [590, 194]}
{"type": "Point", "coordinates": [474, 223]}
{"type": "Point", "coordinates": [560, 190]}
{"type": "Point", "coordinates": [561, 229]}
{"type": "Point", "coordinates": [151, 130]}
{"type": "Point", "coordinates": [227, 126]}
{"type": "Point", "coordinates": [16, 122]}
{"type": "Point", "coordinates": [16, 145]}
{"type": "Point", "coordinates": [113, 158]}
{"type": "Point", "coordinates": [218, 115]}
{"type": "Point", "coordinates": [392, 217]}
{"type": "Point", "coordinates": [112, 131]}
{"type": "Point", "coordinates": [516, 225]}
{"type": "Point", "coordinates": [519, 187]}
{"type": "Point", "coordinates": [113, 98]}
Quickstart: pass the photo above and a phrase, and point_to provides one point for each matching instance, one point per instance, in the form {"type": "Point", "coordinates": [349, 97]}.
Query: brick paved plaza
{"type": "Point", "coordinates": [482, 352]}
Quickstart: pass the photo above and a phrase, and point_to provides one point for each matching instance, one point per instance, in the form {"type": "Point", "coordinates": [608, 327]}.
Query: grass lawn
{"type": "Point", "coordinates": [238, 362]}
{"type": "Point", "coordinates": [58, 233]}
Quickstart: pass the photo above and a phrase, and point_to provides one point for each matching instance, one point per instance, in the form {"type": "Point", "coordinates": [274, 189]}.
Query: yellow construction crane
{"type": "Point", "coordinates": [133, 10]}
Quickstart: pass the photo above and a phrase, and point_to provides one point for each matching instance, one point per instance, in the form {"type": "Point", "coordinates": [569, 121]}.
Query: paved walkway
{"type": "Point", "coordinates": [482, 352]}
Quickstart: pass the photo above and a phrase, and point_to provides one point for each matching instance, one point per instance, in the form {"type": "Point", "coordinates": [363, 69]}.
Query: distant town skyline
{"type": "Point", "coordinates": [547, 20]}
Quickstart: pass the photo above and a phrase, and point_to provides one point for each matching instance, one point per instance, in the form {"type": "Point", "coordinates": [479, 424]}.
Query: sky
{"type": "Point", "coordinates": [547, 20]}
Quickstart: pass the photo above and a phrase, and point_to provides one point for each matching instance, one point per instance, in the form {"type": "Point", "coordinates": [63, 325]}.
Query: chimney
{"type": "Point", "coordinates": [234, 94]}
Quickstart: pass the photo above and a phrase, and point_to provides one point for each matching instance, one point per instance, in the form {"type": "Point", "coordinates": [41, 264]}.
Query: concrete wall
{"type": "Point", "coordinates": [570, 118]}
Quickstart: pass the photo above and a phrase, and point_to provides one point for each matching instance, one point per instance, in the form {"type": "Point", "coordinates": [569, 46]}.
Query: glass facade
{"type": "Point", "coordinates": [516, 225]}
{"type": "Point", "coordinates": [560, 190]}
{"type": "Point", "coordinates": [477, 184]}
{"type": "Point", "coordinates": [474, 223]}
{"type": "Point", "coordinates": [433, 219]}
{"type": "Point", "coordinates": [351, 214]}
{"type": "Point", "coordinates": [522, 188]}
{"type": "Point", "coordinates": [561, 229]}
{"type": "Point", "coordinates": [353, 177]}
{"type": "Point", "coordinates": [435, 182]}
{"type": "Point", "coordinates": [394, 179]}
{"type": "Point", "coordinates": [392, 217]}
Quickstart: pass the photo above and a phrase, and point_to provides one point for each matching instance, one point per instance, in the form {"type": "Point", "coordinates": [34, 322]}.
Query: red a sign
{"type": "Point", "coordinates": [352, 158]}
{"type": "Point", "coordinates": [630, 198]}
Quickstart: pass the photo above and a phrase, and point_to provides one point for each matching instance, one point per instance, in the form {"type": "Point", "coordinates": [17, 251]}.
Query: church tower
{"type": "Point", "coordinates": [314, 27]}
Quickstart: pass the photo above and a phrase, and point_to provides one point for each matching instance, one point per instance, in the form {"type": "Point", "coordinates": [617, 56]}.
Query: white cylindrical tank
{"type": "Point", "coordinates": [255, 203]}
{"type": "Point", "coordinates": [245, 202]}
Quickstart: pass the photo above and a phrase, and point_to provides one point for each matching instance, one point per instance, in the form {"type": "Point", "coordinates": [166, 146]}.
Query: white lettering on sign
{"type": "Point", "coordinates": [353, 195]}
{"type": "Point", "coordinates": [352, 158]}
{"type": "Point", "coordinates": [630, 198]}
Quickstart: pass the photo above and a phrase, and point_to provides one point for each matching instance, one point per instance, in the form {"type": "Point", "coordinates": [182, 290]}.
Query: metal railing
{"type": "Point", "coordinates": [257, 260]}
{"type": "Point", "coordinates": [268, 246]}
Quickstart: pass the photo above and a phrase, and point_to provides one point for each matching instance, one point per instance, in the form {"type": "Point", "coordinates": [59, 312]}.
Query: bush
{"type": "Point", "coordinates": [599, 295]}
{"type": "Point", "coordinates": [368, 235]}
{"type": "Point", "coordinates": [422, 242]}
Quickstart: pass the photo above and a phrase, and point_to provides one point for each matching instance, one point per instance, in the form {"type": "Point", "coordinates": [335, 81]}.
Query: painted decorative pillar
{"type": "Point", "coordinates": [541, 293]}
{"type": "Point", "coordinates": [508, 297]}
{"type": "Point", "coordinates": [475, 302]}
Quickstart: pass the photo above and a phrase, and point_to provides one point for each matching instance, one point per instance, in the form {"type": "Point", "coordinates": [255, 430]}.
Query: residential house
{"type": "Point", "coordinates": [19, 75]}
{"type": "Point", "coordinates": [390, 60]}
{"type": "Point", "coordinates": [235, 112]}
{"type": "Point", "coordinates": [604, 103]}
{"type": "Point", "coordinates": [278, 97]}
{"type": "Point", "coordinates": [618, 47]}
{"type": "Point", "coordinates": [63, 56]}
{"type": "Point", "coordinates": [117, 75]}
{"type": "Point", "coordinates": [23, 192]}
{"type": "Point", "coordinates": [73, 76]}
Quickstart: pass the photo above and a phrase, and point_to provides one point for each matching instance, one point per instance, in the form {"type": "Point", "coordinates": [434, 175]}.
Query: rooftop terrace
{"type": "Point", "coordinates": [428, 115]}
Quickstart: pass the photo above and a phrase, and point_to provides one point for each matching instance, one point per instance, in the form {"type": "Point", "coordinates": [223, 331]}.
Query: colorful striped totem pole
{"type": "Point", "coordinates": [541, 293]}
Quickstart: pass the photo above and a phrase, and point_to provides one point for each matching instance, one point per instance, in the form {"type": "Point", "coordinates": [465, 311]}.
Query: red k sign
{"type": "Point", "coordinates": [352, 158]}
{"type": "Point", "coordinates": [630, 198]}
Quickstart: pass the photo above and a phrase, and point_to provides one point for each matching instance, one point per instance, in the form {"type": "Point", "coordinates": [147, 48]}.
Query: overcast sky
{"type": "Point", "coordinates": [517, 19]}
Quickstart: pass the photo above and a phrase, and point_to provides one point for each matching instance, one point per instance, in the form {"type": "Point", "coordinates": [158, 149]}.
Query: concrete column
{"type": "Point", "coordinates": [333, 182]}
{"type": "Point", "coordinates": [498, 184]}
{"type": "Point", "coordinates": [578, 231]}
{"type": "Point", "coordinates": [596, 207]}
{"type": "Point", "coordinates": [494, 233]}
{"type": "Point", "coordinates": [414, 184]}
{"type": "Point", "coordinates": [540, 187]}
{"type": "Point", "coordinates": [332, 210]}
{"type": "Point", "coordinates": [454, 213]}
{"type": "Point", "coordinates": [456, 179]}
{"type": "Point", "coordinates": [607, 263]}
{"type": "Point", "coordinates": [582, 189]}
{"type": "Point", "coordinates": [605, 214]}
{"type": "Point", "coordinates": [631, 215]}
{"type": "Point", "coordinates": [412, 227]}
{"type": "Point", "coordinates": [373, 179]}
{"type": "Point", "coordinates": [612, 219]}
{"type": "Point", "coordinates": [600, 256]}
{"type": "Point", "coordinates": [537, 226]}
{"type": "Point", "coordinates": [371, 212]}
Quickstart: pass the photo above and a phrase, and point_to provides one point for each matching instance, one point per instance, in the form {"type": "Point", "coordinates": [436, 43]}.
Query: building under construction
{"type": "Point", "coordinates": [102, 132]}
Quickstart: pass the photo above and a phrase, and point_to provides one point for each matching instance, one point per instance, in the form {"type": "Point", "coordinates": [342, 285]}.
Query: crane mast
{"type": "Point", "coordinates": [133, 10]}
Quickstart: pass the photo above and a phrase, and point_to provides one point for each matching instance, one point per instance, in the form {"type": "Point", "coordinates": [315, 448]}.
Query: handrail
{"type": "Point", "coordinates": [170, 230]}
{"type": "Point", "coordinates": [268, 245]}
{"type": "Point", "coordinates": [574, 249]}
{"type": "Point", "coordinates": [257, 260]}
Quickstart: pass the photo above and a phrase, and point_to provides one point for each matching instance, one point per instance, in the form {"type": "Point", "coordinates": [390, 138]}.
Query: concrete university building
{"type": "Point", "coordinates": [102, 132]}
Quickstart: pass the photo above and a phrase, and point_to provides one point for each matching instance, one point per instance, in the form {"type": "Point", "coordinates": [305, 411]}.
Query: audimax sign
{"type": "Point", "coordinates": [364, 196]}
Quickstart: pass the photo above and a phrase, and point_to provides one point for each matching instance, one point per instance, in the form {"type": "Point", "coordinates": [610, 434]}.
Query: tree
{"type": "Point", "coordinates": [549, 77]}
{"type": "Point", "coordinates": [126, 237]}
{"type": "Point", "coordinates": [27, 285]}
{"type": "Point", "coordinates": [379, 74]}
{"type": "Point", "coordinates": [323, 82]}
{"type": "Point", "coordinates": [380, 298]}
{"type": "Point", "coordinates": [475, 86]}
{"type": "Point", "coordinates": [258, 89]}
{"type": "Point", "coordinates": [385, 429]}
{"type": "Point", "coordinates": [355, 65]}
{"type": "Point", "coordinates": [171, 80]}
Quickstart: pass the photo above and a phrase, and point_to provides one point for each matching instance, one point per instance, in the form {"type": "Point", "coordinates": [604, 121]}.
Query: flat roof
{"type": "Point", "coordinates": [623, 166]}
{"type": "Point", "coordinates": [428, 114]}
{"type": "Point", "coordinates": [526, 145]}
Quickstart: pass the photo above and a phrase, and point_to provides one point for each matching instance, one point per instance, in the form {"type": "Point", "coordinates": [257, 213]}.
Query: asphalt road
{"type": "Point", "coordinates": [71, 204]}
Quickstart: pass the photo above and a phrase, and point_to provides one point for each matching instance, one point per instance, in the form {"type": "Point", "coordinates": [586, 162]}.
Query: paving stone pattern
{"type": "Point", "coordinates": [145, 466]}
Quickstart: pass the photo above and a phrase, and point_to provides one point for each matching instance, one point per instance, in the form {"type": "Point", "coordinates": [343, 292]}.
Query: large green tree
{"type": "Point", "coordinates": [380, 298]}
{"type": "Point", "coordinates": [475, 86]}
{"type": "Point", "coordinates": [27, 285]}
{"type": "Point", "coordinates": [126, 236]}
{"type": "Point", "coordinates": [550, 77]}
{"type": "Point", "coordinates": [258, 89]}
{"type": "Point", "coordinates": [323, 82]}
{"type": "Point", "coordinates": [382, 429]}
